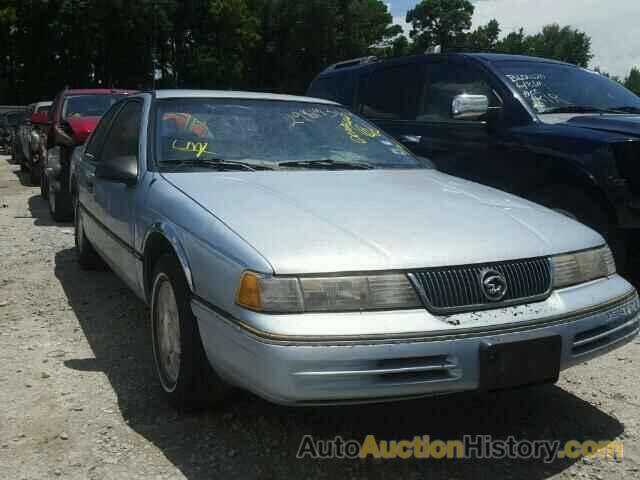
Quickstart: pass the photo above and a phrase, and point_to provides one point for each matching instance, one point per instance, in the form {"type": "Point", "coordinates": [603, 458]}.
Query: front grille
{"type": "Point", "coordinates": [459, 288]}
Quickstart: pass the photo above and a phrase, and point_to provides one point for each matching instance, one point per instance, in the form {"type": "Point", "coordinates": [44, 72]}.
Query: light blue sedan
{"type": "Point", "coordinates": [288, 247]}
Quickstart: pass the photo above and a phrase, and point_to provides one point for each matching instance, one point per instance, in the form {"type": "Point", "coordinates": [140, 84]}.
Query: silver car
{"type": "Point", "coordinates": [290, 248]}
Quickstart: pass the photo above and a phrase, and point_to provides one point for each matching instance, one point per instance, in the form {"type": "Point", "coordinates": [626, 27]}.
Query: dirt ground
{"type": "Point", "coordinates": [79, 398]}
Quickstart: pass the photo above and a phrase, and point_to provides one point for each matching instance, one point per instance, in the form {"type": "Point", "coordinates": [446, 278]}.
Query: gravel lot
{"type": "Point", "coordinates": [80, 400]}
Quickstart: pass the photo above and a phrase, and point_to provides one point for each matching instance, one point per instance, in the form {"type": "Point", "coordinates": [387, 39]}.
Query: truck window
{"type": "Point", "coordinates": [442, 83]}
{"type": "Point", "coordinates": [338, 88]}
{"type": "Point", "coordinates": [390, 93]}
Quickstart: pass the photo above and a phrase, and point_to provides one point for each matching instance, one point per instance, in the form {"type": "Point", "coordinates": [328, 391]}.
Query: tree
{"type": "Point", "coordinates": [483, 38]}
{"type": "Point", "coordinates": [632, 82]}
{"type": "Point", "coordinates": [277, 45]}
{"type": "Point", "coordinates": [439, 22]}
{"type": "Point", "coordinates": [515, 43]}
{"type": "Point", "coordinates": [562, 43]}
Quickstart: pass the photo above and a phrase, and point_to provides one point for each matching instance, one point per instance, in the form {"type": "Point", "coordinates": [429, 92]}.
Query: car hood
{"type": "Point", "coordinates": [349, 221]}
{"type": "Point", "coordinates": [82, 127]}
{"type": "Point", "coordinates": [625, 124]}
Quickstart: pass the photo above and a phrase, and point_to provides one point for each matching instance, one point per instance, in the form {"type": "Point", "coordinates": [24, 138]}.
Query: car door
{"type": "Point", "coordinates": [388, 96]}
{"type": "Point", "coordinates": [468, 148]}
{"type": "Point", "coordinates": [413, 103]}
{"type": "Point", "coordinates": [110, 205]}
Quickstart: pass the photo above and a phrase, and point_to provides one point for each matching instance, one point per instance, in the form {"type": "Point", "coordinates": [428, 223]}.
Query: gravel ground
{"type": "Point", "coordinates": [79, 398]}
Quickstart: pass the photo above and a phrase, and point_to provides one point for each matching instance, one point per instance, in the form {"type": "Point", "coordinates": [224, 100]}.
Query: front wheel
{"type": "Point", "coordinates": [44, 187]}
{"type": "Point", "coordinates": [60, 205]}
{"type": "Point", "coordinates": [87, 257]}
{"type": "Point", "coordinates": [185, 375]}
{"type": "Point", "coordinates": [35, 172]}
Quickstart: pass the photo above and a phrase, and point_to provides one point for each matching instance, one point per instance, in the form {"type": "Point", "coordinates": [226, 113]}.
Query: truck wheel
{"type": "Point", "coordinates": [60, 206]}
{"type": "Point", "coordinates": [87, 257]}
{"type": "Point", "coordinates": [578, 205]}
{"type": "Point", "coordinates": [185, 374]}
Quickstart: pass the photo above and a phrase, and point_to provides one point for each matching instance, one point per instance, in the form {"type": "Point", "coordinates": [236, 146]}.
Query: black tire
{"type": "Point", "coordinates": [60, 206]}
{"type": "Point", "coordinates": [34, 174]}
{"type": "Point", "coordinates": [44, 187]}
{"type": "Point", "coordinates": [197, 386]}
{"type": "Point", "coordinates": [582, 207]}
{"type": "Point", "coordinates": [86, 255]}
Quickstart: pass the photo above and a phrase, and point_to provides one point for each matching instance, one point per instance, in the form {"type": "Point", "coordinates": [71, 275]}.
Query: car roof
{"type": "Point", "coordinates": [501, 57]}
{"type": "Point", "coordinates": [233, 94]}
{"type": "Point", "coordinates": [98, 91]}
{"type": "Point", "coordinates": [371, 62]}
{"type": "Point", "coordinates": [43, 104]}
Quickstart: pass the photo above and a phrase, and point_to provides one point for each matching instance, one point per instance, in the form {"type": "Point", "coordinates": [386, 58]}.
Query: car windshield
{"type": "Point", "coordinates": [87, 105]}
{"type": "Point", "coordinates": [553, 88]}
{"type": "Point", "coordinates": [269, 134]}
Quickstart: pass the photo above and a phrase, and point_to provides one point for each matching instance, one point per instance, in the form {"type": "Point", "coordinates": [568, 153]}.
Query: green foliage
{"type": "Point", "coordinates": [438, 22]}
{"type": "Point", "coordinates": [483, 38]}
{"type": "Point", "coordinates": [632, 82]}
{"type": "Point", "coordinates": [560, 43]}
{"type": "Point", "coordinates": [277, 45]}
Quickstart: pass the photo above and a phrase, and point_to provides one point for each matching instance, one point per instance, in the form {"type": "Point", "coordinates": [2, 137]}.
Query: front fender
{"type": "Point", "coordinates": [171, 235]}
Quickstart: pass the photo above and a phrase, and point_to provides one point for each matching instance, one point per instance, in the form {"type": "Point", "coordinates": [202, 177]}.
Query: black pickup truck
{"type": "Point", "coordinates": [554, 133]}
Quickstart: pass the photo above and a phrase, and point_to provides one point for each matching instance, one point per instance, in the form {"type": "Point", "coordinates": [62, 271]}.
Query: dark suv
{"type": "Point", "coordinates": [554, 133]}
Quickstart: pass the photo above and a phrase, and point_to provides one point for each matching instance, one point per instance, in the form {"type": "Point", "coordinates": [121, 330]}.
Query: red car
{"type": "Point", "coordinates": [74, 115]}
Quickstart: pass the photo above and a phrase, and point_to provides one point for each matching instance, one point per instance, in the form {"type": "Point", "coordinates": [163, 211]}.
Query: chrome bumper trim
{"type": "Point", "coordinates": [433, 336]}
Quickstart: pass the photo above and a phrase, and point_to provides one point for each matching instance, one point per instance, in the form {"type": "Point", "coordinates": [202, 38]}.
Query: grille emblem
{"type": "Point", "coordinates": [493, 285]}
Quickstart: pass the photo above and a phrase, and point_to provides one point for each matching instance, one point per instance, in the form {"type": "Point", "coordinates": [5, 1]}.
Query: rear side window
{"type": "Point", "coordinates": [338, 88]}
{"type": "Point", "coordinates": [390, 93]}
{"type": "Point", "coordinates": [443, 82]}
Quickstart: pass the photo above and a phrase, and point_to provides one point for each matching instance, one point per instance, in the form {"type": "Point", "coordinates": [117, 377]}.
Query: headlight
{"type": "Point", "coordinates": [580, 267]}
{"type": "Point", "coordinates": [271, 294]}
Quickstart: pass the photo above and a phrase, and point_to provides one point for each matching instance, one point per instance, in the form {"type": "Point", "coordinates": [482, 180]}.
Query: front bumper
{"type": "Point", "coordinates": [307, 372]}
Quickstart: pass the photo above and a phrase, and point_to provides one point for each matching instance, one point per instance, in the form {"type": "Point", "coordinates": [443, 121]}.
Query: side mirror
{"type": "Point", "coordinates": [469, 107]}
{"type": "Point", "coordinates": [119, 170]}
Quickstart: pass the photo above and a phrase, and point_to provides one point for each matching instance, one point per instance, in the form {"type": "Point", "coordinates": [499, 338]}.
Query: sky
{"type": "Point", "coordinates": [613, 25]}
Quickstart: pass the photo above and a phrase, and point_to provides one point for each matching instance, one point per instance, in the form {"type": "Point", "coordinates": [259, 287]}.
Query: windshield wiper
{"type": "Point", "coordinates": [328, 164]}
{"type": "Point", "coordinates": [217, 163]}
{"type": "Point", "coordinates": [580, 109]}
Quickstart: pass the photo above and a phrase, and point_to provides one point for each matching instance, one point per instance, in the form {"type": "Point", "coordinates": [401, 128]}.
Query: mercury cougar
{"type": "Point", "coordinates": [288, 247]}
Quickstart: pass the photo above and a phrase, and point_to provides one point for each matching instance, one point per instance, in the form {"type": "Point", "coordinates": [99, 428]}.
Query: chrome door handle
{"type": "Point", "coordinates": [413, 139]}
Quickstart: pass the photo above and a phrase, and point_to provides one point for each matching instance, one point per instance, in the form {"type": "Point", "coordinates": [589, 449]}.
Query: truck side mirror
{"type": "Point", "coordinates": [469, 107]}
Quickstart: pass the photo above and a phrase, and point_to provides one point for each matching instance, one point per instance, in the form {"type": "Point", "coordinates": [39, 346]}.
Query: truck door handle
{"type": "Point", "coordinates": [412, 139]}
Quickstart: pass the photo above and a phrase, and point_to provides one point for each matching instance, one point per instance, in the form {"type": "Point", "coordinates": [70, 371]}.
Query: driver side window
{"type": "Point", "coordinates": [96, 140]}
{"type": "Point", "coordinates": [123, 137]}
{"type": "Point", "coordinates": [444, 81]}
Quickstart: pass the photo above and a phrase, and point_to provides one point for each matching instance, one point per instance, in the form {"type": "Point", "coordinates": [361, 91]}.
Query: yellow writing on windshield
{"type": "Point", "coordinates": [199, 148]}
{"type": "Point", "coordinates": [357, 133]}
